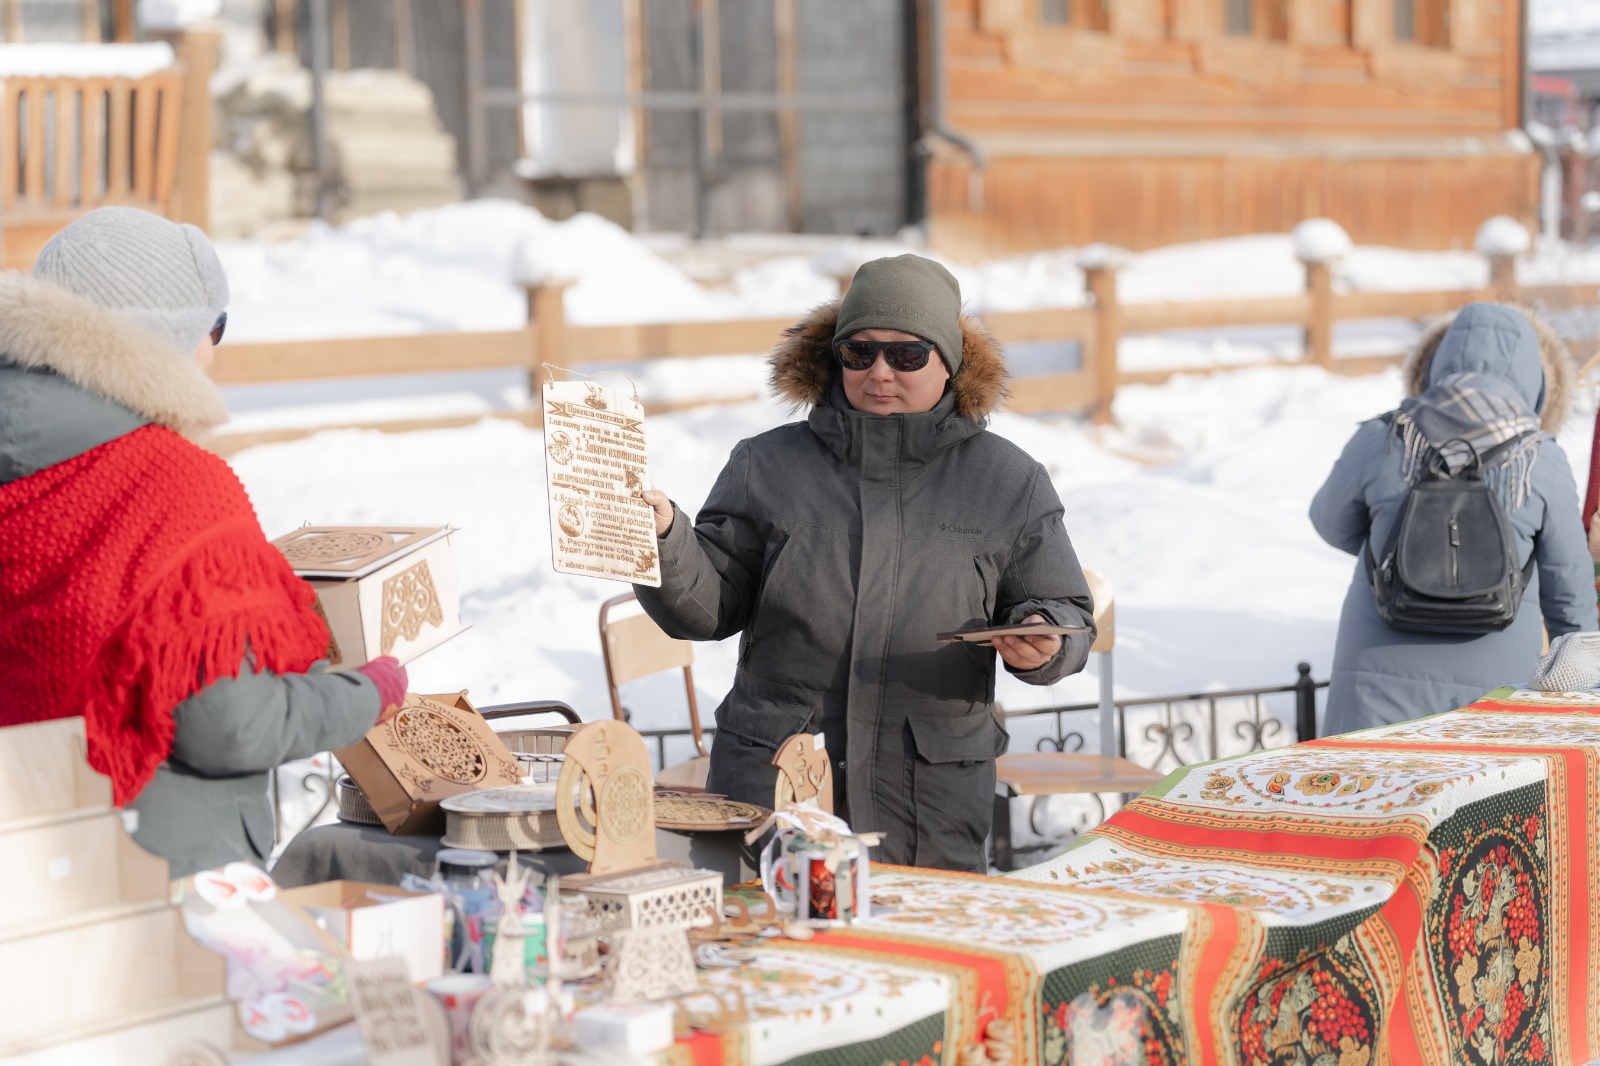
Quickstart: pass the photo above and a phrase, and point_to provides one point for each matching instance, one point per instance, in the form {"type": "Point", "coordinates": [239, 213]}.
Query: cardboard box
{"type": "Point", "coordinates": [376, 921]}
{"type": "Point", "coordinates": [427, 751]}
{"type": "Point", "coordinates": [383, 590]}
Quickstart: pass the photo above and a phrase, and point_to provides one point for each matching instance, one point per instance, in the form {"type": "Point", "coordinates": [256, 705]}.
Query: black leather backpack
{"type": "Point", "coordinates": [1451, 562]}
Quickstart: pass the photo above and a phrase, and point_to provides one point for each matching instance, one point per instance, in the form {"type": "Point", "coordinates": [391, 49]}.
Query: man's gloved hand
{"type": "Point", "coordinates": [390, 677]}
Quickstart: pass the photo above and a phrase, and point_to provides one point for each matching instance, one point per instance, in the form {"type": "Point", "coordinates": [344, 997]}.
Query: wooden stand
{"type": "Point", "coordinates": [95, 965]}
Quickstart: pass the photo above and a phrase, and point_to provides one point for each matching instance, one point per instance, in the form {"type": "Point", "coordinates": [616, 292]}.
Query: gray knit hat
{"type": "Point", "coordinates": [908, 293]}
{"type": "Point", "coordinates": [163, 275]}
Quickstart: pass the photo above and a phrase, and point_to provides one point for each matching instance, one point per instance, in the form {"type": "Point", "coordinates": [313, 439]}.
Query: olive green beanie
{"type": "Point", "coordinates": [908, 293]}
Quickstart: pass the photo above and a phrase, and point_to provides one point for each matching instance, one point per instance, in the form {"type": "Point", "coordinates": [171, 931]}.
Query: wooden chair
{"type": "Point", "coordinates": [634, 647]}
{"type": "Point", "coordinates": [1049, 773]}
{"type": "Point", "coordinates": [69, 145]}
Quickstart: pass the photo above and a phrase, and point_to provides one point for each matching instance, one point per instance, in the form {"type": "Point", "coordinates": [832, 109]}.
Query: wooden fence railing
{"type": "Point", "coordinates": [1097, 328]}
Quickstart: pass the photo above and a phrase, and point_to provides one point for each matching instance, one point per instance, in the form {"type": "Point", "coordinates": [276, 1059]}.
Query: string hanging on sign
{"type": "Point", "coordinates": [593, 377]}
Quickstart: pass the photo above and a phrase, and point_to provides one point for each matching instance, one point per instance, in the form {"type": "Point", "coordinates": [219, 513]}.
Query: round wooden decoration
{"type": "Point", "coordinates": [707, 813]}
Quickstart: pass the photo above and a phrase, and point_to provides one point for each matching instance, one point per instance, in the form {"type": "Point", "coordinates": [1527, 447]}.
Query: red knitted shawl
{"type": "Point", "coordinates": [131, 577]}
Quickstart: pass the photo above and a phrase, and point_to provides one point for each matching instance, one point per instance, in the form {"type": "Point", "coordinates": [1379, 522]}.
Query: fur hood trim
{"type": "Point", "coordinates": [45, 326]}
{"type": "Point", "coordinates": [803, 364]}
{"type": "Point", "coordinates": [1554, 356]}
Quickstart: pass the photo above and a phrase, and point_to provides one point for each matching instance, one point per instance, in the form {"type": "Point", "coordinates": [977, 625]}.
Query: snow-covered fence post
{"type": "Point", "coordinates": [547, 319]}
{"type": "Point", "coordinates": [1100, 263]}
{"type": "Point", "coordinates": [1500, 240]}
{"type": "Point", "coordinates": [1319, 243]}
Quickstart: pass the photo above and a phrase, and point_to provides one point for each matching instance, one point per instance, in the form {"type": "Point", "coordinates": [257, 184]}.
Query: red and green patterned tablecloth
{"type": "Point", "coordinates": [1424, 893]}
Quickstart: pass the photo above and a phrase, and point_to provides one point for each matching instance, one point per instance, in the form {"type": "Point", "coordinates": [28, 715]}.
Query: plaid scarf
{"type": "Point", "coordinates": [1462, 416]}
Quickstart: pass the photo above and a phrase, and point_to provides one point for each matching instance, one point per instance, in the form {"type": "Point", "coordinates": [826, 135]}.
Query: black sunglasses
{"type": "Point", "coordinates": [902, 356]}
{"type": "Point", "coordinates": [217, 330]}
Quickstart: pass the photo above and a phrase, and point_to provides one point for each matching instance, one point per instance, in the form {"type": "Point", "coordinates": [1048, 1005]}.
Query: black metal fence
{"type": "Point", "coordinates": [1173, 730]}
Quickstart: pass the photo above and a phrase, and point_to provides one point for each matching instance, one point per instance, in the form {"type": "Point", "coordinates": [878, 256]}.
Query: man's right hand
{"type": "Point", "coordinates": [663, 510]}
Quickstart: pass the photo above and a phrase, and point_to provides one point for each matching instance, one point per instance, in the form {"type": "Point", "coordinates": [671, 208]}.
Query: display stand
{"type": "Point", "coordinates": [95, 965]}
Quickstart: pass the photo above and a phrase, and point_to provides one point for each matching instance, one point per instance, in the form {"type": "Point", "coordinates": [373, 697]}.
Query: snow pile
{"type": "Point", "coordinates": [84, 60]}
{"type": "Point", "coordinates": [1502, 235]}
{"type": "Point", "coordinates": [1318, 240]}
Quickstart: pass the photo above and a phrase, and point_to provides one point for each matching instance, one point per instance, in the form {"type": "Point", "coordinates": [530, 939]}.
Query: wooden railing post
{"type": "Point", "coordinates": [1500, 240]}
{"type": "Point", "coordinates": [1100, 265]}
{"type": "Point", "coordinates": [1319, 328]}
{"type": "Point", "coordinates": [547, 322]}
{"type": "Point", "coordinates": [198, 49]}
{"type": "Point", "coordinates": [1319, 243]}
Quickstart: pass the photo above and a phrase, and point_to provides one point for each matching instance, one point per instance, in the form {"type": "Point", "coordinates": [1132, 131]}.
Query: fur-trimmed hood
{"type": "Point", "coordinates": [1554, 356]}
{"type": "Point", "coordinates": [44, 326]}
{"type": "Point", "coordinates": [802, 365]}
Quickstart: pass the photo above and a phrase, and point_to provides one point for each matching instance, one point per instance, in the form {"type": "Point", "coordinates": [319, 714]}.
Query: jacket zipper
{"type": "Point", "coordinates": [1455, 552]}
{"type": "Point", "coordinates": [983, 582]}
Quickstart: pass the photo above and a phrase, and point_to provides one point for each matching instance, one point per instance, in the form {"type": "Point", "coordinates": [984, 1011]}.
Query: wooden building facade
{"type": "Point", "coordinates": [1149, 122]}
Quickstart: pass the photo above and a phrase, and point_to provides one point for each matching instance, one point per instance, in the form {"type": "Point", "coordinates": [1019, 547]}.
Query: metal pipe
{"type": "Point", "coordinates": [1550, 174]}
{"type": "Point", "coordinates": [937, 126]}
{"type": "Point", "coordinates": [319, 102]}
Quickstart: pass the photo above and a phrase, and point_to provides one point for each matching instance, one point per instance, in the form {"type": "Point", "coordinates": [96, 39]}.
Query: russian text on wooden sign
{"type": "Point", "coordinates": [595, 466]}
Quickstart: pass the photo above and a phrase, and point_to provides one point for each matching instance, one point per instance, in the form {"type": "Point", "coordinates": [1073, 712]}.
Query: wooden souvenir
{"type": "Point", "coordinates": [649, 963]}
{"type": "Point", "coordinates": [97, 964]}
{"type": "Point", "coordinates": [353, 806]}
{"type": "Point", "coordinates": [605, 804]}
{"type": "Point", "coordinates": [805, 775]}
{"type": "Point", "coordinates": [426, 752]}
{"type": "Point", "coordinates": [508, 968]}
{"type": "Point", "coordinates": [662, 895]}
{"type": "Point", "coordinates": [383, 590]}
{"type": "Point", "coordinates": [516, 818]}
{"type": "Point", "coordinates": [688, 813]}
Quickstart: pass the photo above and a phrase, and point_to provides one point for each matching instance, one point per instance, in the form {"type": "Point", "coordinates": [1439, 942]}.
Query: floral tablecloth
{"type": "Point", "coordinates": [1423, 893]}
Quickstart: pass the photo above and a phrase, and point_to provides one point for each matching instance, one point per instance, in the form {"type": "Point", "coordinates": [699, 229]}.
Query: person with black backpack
{"type": "Point", "coordinates": [1462, 512]}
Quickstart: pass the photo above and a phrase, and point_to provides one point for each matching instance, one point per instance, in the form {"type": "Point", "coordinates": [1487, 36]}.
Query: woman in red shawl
{"type": "Point", "coordinates": [136, 586]}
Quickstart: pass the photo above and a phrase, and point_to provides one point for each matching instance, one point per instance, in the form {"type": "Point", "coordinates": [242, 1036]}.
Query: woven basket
{"type": "Point", "coordinates": [353, 806]}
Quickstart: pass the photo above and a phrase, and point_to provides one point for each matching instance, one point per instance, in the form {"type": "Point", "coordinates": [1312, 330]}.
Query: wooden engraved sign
{"type": "Point", "coordinates": [595, 466]}
{"type": "Point", "coordinates": [383, 590]}
{"type": "Point", "coordinates": [605, 803]}
{"type": "Point", "coordinates": [804, 773]}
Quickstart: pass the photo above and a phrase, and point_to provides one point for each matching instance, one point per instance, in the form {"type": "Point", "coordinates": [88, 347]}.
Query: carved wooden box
{"type": "Point", "coordinates": [383, 590]}
{"type": "Point", "coordinates": [657, 896]}
{"type": "Point", "coordinates": [426, 752]}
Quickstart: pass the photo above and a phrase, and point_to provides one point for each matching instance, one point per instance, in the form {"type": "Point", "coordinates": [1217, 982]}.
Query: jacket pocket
{"type": "Point", "coordinates": [767, 566]}
{"type": "Point", "coordinates": [256, 815]}
{"type": "Point", "coordinates": [971, 738]}
{"type": "Point", "coordinates": [762, 726]}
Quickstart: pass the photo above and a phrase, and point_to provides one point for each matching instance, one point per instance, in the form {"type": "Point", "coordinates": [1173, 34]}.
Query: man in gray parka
{"type": "Point", "coordinates": [842, 545]}
{"type": "Point", "coordinates": [1382, 675]}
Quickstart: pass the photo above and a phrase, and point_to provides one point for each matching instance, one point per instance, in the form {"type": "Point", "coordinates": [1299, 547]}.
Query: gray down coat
{"type": "Point", "coordinates": [1382, 675]}
{"type": "Point", "coordinates": [839, 547]}
{"type": "Point", "coordinates": [72, 377]}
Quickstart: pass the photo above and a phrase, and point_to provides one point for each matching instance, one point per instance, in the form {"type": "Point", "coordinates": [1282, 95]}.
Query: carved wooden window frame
{"type": "Point", "coordinates": [1083, 16]}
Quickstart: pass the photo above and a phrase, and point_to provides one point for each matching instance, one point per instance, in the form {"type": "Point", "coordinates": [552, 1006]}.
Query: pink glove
{"type": "Point", "coordinates": [390, 677]}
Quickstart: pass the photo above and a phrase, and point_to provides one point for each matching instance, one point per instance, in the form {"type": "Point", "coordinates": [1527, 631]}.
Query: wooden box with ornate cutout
{"type": "Point", "coordinates": [383, 590]}
{"type": "Point", "coordinates": [426, 752]}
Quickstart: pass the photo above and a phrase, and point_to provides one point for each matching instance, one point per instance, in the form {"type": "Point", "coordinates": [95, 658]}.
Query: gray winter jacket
{"type": "Point", "coordinates": [839, 547]}
{"type": "Point", "coordinates": [207, 804]}
{"type": "Point", "coordinates": [1382, 675]}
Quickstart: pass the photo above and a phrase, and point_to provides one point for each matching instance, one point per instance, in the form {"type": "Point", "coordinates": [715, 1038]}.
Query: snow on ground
{"type": "Point", "coordinates": [1193, 503]}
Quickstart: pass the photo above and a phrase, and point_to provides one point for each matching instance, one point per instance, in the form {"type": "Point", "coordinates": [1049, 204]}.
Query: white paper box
{"type": "Point", "coordinates": [377, 921]}
{"type": "Point", "coordinates": [383, 590]}
{"type": "Point", "coordinates": [640, 1028]}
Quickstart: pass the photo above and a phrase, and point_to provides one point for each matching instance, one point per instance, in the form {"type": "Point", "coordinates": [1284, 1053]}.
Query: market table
{"type": "Point", "coordinates": [1423, 893]}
